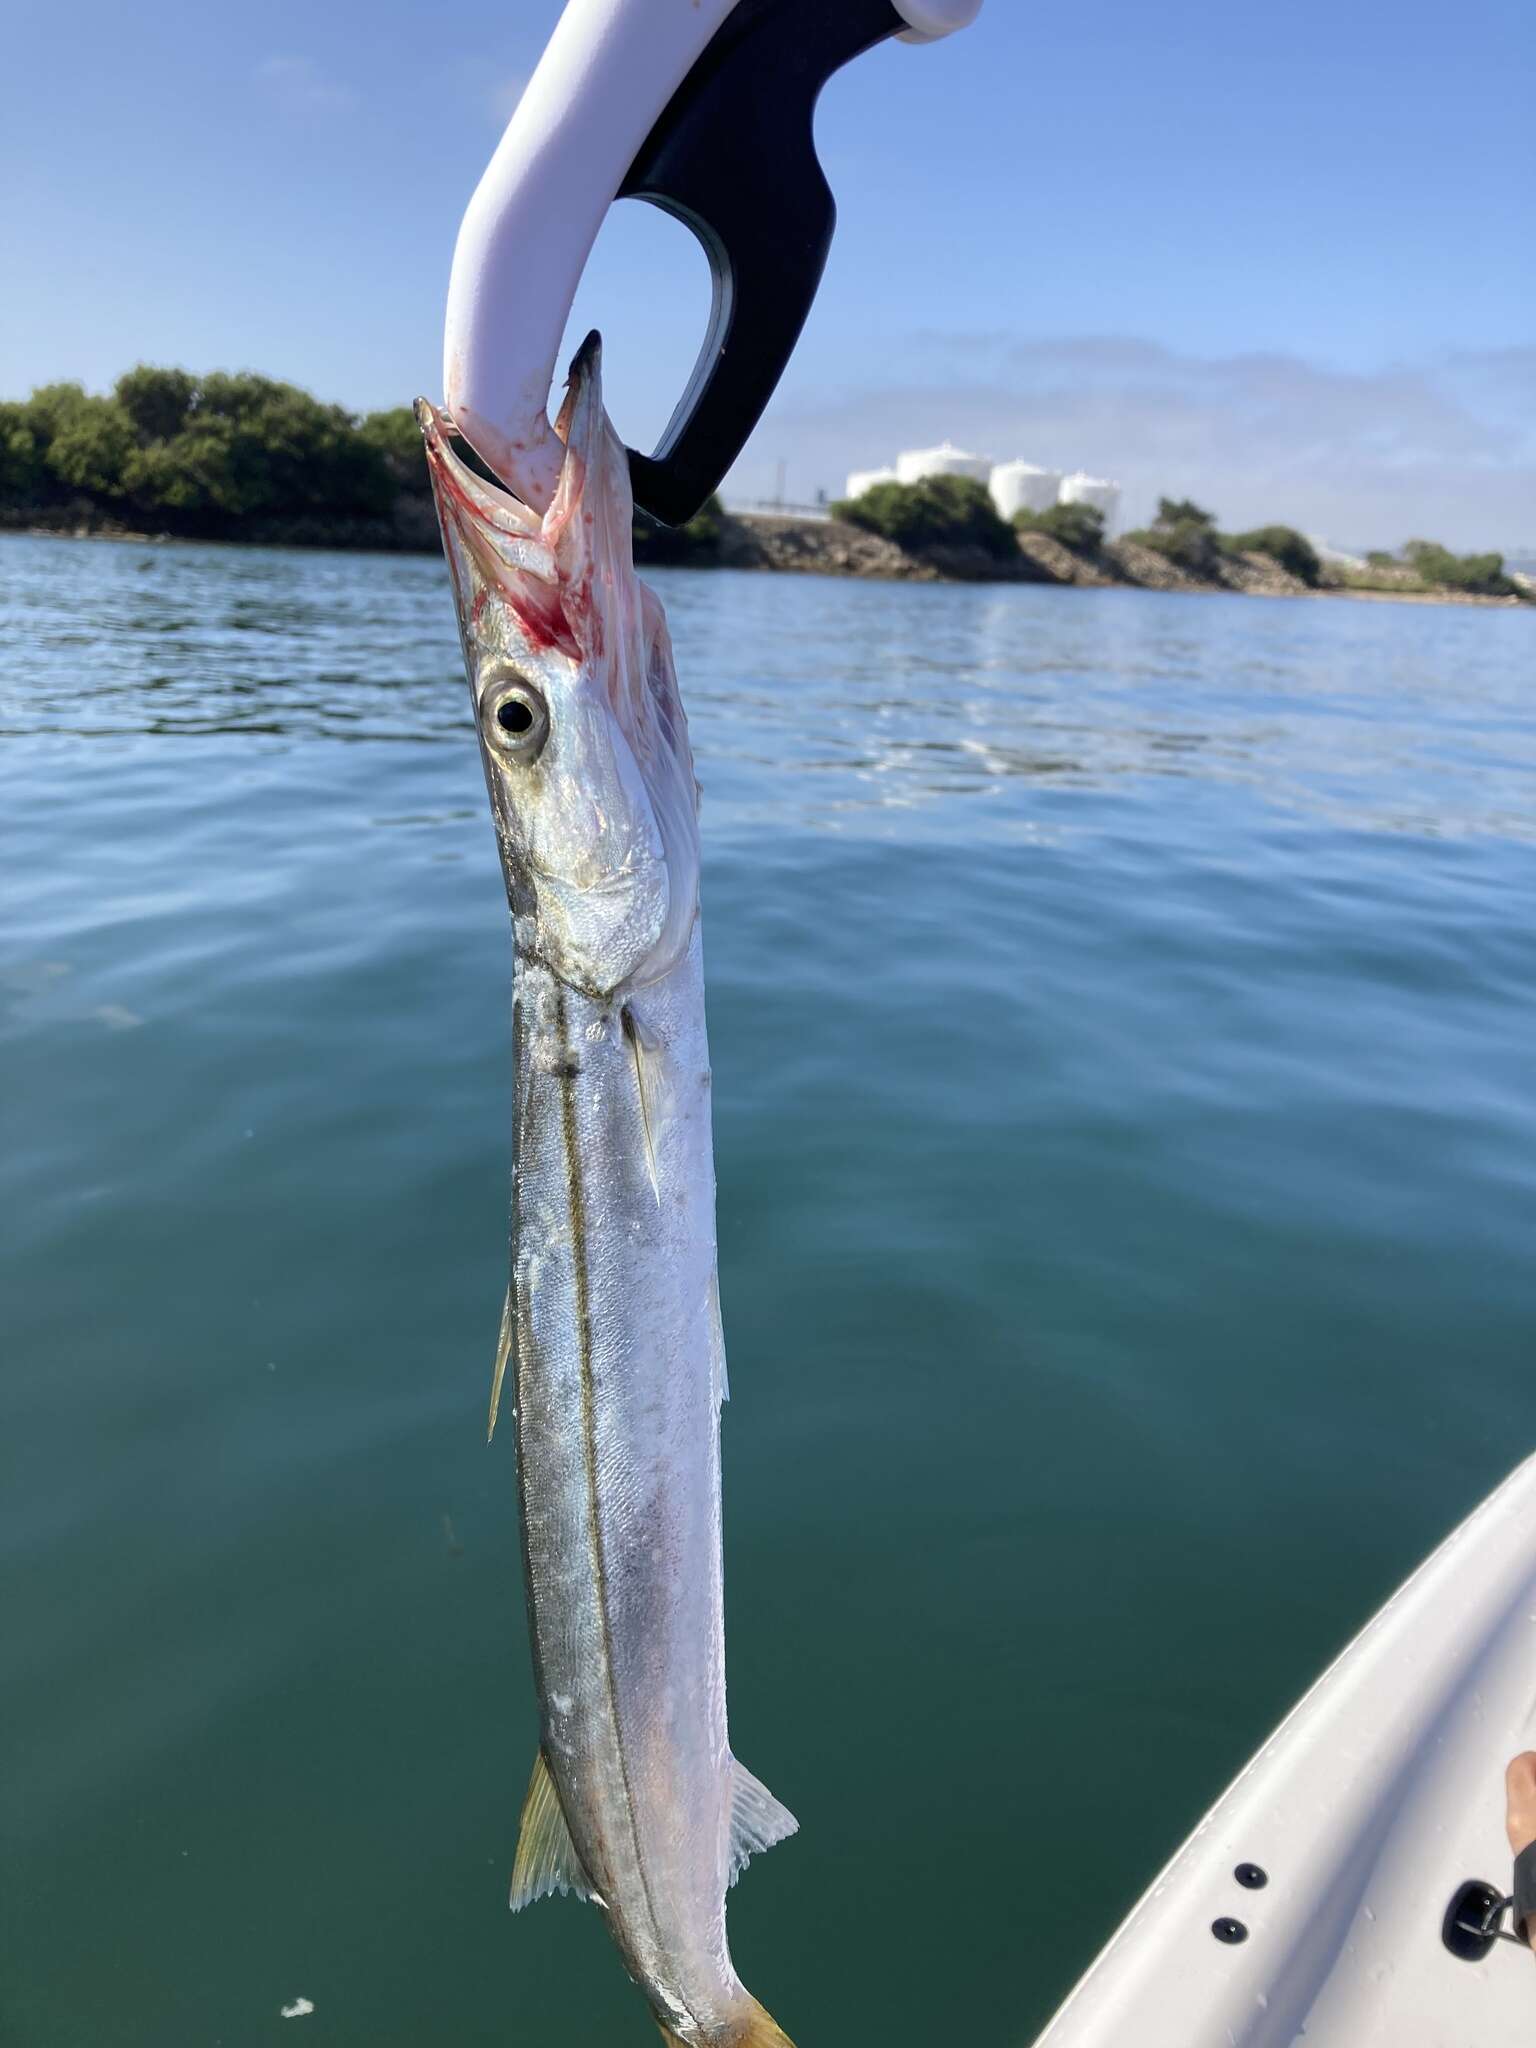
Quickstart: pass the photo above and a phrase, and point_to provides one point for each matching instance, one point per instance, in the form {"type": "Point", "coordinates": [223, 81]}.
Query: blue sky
{"type": "Point", "coordinates": [1277, 258]}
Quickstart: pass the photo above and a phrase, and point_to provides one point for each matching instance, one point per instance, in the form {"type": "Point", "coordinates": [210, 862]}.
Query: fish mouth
{"type": "Point", "coordinates": [476, 505]}
{"type": "Point", "coordinates": [487, 498]}
{"type": "Point", "coordinates": [494, 545]}
{"type": "Point", "coordinates": [498, 545]}
{"type": "Point", "coordinates": [490, 501]}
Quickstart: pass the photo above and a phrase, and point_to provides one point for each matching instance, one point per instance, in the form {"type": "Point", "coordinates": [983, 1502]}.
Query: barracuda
{"type": "Point", "coordinates": [611, 1346]}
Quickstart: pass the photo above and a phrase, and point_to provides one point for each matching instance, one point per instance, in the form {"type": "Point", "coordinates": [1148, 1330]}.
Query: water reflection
{"type": "Point", "coordinates": [820, 700]}
{"type": "Point", "coordinates": [1058, 1033]}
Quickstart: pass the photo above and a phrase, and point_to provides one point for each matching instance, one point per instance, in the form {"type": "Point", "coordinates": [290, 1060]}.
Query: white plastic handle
{"type": "Point", "coordinates": [606, 73]}
{"type": "Point", "coordinates": [927, 20]}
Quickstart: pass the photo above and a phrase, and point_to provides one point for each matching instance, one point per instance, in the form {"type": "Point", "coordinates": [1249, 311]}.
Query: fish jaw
{"type": "Point", "coordinates": [599, 830]}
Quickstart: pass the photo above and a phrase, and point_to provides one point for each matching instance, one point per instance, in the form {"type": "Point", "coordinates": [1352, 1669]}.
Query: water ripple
{"type": "Point", "coordinates": [827, 703]}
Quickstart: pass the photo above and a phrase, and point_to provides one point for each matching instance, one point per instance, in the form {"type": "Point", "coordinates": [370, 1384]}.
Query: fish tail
{"type": "Point", "coordinates": [757, 2030]}
{"type": "Point", "coordinates": [762, 2031]}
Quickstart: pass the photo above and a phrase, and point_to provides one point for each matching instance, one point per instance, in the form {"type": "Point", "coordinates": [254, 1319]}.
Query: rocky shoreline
{"type": "Point", "coordinates": [832, 547]}
{"type": "Point", "coordinates": [787, 544]}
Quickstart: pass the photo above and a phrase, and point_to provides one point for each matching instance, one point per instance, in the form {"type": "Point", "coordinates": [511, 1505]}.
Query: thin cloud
{"type": "Point", "coordinates": [480, 82]}
{"type": "Point", "coordinates": [297, 85]}
{"type": "Point", "coordinates": [1443, 447]}
{"type": "Point", "coordinates": [1507, 369]}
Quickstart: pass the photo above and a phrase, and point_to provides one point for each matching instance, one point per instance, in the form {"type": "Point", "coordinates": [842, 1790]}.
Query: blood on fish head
{"type": "Point", "coordinates": [581, 727]}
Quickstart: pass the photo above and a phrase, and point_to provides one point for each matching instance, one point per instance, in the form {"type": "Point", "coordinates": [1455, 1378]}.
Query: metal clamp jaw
{"type": "Point", "coordinates": [703, 107]}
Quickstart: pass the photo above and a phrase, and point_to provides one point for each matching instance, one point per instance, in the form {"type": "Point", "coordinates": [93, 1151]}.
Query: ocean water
{"type": "Point", "coordinates": [1122, 1013]}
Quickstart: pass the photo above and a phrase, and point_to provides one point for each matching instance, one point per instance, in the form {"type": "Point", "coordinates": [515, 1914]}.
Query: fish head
{"type": "Point", "coordinates": [581, 727]}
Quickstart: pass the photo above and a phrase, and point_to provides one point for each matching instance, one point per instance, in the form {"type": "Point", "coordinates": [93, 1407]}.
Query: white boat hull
{"type": "Point", "coordinates": [1379, 1795]}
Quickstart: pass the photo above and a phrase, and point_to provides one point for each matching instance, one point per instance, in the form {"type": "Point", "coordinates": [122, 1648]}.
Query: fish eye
{"type": "Point", "coordinates": [514, 719]}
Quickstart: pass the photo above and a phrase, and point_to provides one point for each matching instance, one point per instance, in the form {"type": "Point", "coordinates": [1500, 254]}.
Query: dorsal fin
{"type": "Point", "coordinates": [546, 1856]}
{"type": "Point", "coordinates": [757, 1818]}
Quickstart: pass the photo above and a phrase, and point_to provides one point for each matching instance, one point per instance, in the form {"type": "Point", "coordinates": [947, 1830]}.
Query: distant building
{"type": "Point", "coordinates": [862, 480]}
{"type": "Point", "coordinates": [1336, 558]}
{"type": "Point", "coordinates": [913, 464]}
{"type": "Point", "coordinates": [1097, 491]}
{"type": "Point", "coordinates": [1023, 487]}
{"type": "Point", "coordinates": [1016, 486]}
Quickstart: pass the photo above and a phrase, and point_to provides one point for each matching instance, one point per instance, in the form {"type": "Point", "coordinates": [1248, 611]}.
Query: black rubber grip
{"type": "Point", "coordinates": [733, 156]}
{"type": "Point", "coordinates": [1523, 1890]}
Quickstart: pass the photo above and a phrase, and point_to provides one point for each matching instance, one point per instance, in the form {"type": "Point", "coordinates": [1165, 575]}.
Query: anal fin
{"type": "Point", "coordinates": [758, 1820]}
{"type": "Point", "coordinates": [546, 1856]}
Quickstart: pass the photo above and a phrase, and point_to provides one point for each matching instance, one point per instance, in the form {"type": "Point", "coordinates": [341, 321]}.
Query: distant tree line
{"type": "Point", "coordinates": [220, 456]}
{"type": "Point", "coordinates": [242, 457]}
{"type": "Point", "coordinates": [1483, 575]}
{"type": "Point", "coordinates": [1188, 535]}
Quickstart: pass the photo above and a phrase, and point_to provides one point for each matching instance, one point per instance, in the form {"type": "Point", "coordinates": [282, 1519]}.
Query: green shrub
{"type": "Point", "coordinates": [696, 541]}
{"type": "Point", "coordinates": [1190, 544]}
{"type": "Point", "coordinates": [1482, 575]}
{"type": "Point", "coordinates": [938, 511]}
{"type": "Point", "coordinates": [1173, 512]}
{"type": "Point", "coordinates": [51, 406]}
{"type": "Point", "coordinates": [21, 456]}
{"type": "Point", "coordinates": [157, 401]}
{"type": "Point", "coordinates": [64, 443]}
{"type": "Point", "coordinates": [1185, 534]}
{"type": "Point", "coordinates": [268, 449]}
{"type": "Point", "coordinates": [89, 446]}
{"type": "Point", "coordinates": [1079, 527]}
{"type": "Point", "coordinates": [163, 477]}
{"type": "Point", "coordinates": [1283, 544]}
{"type": "Point", "coordinates": [396, 438]}
{"type": "Point", "coordinates": [208, 454]}
{"type": "Point", "coordinates": [704, 529]}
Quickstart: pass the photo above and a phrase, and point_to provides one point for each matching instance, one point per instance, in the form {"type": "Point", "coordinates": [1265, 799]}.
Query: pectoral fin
{"type": "Point", "coordinates": [645, 1093]}
{"type": "Point", "coordinates": [757, 1818]}
{"type": "Point", "coordinates": [499, 1370]}
{"type": "Point", "coordinates": [546, 1856]}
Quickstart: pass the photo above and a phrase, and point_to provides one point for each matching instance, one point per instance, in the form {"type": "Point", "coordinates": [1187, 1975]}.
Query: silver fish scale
{"type": "Point", "coordinates": [617, 1403]}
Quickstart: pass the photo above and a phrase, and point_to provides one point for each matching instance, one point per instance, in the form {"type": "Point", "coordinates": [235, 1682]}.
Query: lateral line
{"type": "Point", "coordinates": [578, 1212]}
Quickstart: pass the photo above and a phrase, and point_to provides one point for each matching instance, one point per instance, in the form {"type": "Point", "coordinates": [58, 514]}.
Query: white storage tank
{"type": "Point", "coordinates": [1097, 491]}
{"type": "Point", "coordinates": [862, 480]}
{"type": "Point", "coordinates": [1023, 487]}
{"type": "Point", "coordinates": [913, 464]}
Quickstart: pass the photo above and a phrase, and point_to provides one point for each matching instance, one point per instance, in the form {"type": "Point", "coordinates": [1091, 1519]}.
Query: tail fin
{"type": "Point", "coordinates": [762, 2031]}
{"type": "Point", "coordinates": [757, 2030]}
